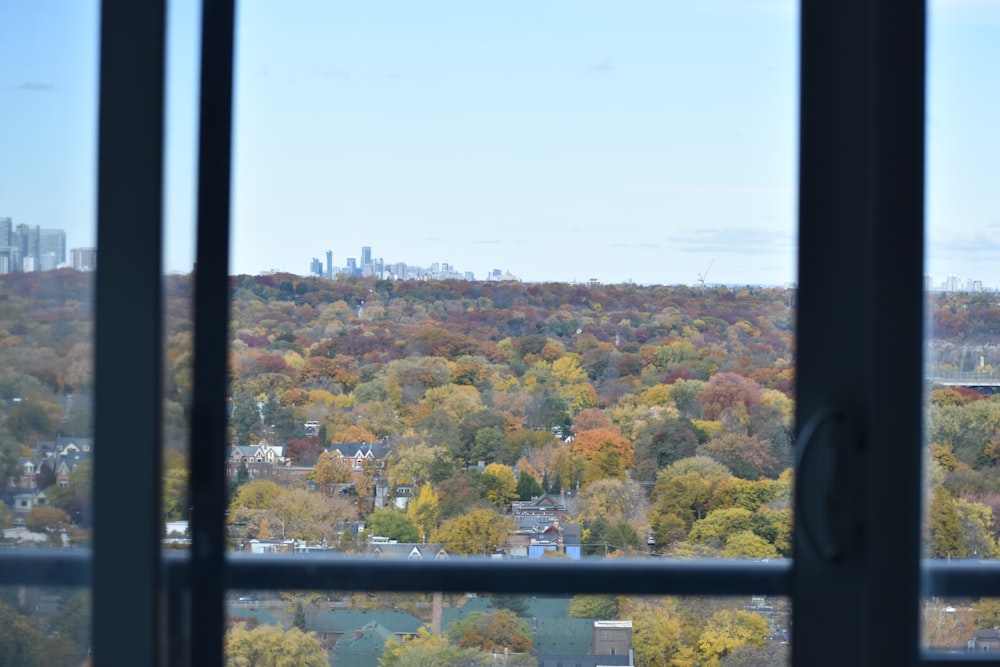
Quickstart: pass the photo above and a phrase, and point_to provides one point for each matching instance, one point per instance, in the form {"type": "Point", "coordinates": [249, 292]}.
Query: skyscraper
{"type": "Point", "coordinates": [26, 239]}
{"type": "Point", "coordinates": [366, 255]}
{"type": "Point", "coordinates": [51, 248]}
{"type": "Point", "coordinates": [84, 259]}
{"type": "Point", "coordinates": [329, 264]}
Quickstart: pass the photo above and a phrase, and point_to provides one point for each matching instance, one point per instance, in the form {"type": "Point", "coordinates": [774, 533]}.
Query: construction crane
{"type": "Point", "coordinates": [702, 276]}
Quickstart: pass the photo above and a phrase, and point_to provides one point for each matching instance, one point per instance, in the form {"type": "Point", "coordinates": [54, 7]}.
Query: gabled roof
{"type": "Point", "coordinates": [263, 616]}
{"type": "Point", "coordinates": [63, 442]}
{"type": "Point", "coordinates": [410, 550]}
{"type": "Point", "coordinates": [562, 660]}
{"type": "Point", "coordinates": [451, 614]}
{"type": "Point", "coordinates": [571, 636]}
{"type": "Point", "coordinates": [544, 502]}
{"type": "Point", "coordinates": [547, 607]}
{"type": "Point", "coordinates": [368, 450]}
{"type": "Point", "coordinates": [76, 458]}
{"type": "Point", "coordinates": [543, 607]}
{"type": "Point", "coordinates": [253, 452]}
{"type": "Point", "coordinates": [349, 620]}
{"type": "Point", "coordinates": [372, 641]}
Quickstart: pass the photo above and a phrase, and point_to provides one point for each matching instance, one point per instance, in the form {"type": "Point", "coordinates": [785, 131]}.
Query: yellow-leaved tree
{"type": "Point", "coordinates": [479, 532]}
{"type": "Point", "coordinates": [728, 630]}
{"type": "Point", "coordinates": [425, 510]}
{"type": "Point", "coordinates": [270, 646]}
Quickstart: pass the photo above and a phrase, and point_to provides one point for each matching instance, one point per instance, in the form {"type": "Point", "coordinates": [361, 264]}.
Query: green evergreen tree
{"type": "Point", "coordinates": [528, 487]}
{"type": "Point", "coordinates": [300, 617]}
{"type": "Point", "coordinates": [517, 604]}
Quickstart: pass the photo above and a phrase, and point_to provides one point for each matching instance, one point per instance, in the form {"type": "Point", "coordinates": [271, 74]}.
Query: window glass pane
{"type": "Point", "coordinates": [362, 628]}
{"type": "Point", "coordinates": [45, 626]}
{"type": "Point", "coordinates": [513, 280]}
{"type": "Point", "coordinates": [48, 89]}
{"type": "Point", "coordinates": [962, 363]}
{"type": "Point", "coordinates": [48, 92]}
{"type": "Point", "coordinates": [180, 203]}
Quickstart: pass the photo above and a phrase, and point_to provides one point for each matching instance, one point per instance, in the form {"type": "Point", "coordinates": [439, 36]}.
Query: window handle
{"type": "Point", "coordinates": [818, 485]}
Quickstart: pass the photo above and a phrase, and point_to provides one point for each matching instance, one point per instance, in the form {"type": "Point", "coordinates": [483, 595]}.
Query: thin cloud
{"type": "Point", "coordinates": [331, 73]}
{"type": "Point", "coordinates": [606, 66]}
{"type": "Point", "coordinates": [974, 245]}
{"type": "Point", "coordinates": [35, 86]}
{"type": "Point", "coordinates": [729, 189]}
{"type": "Point", "coordinates": [741, 240]}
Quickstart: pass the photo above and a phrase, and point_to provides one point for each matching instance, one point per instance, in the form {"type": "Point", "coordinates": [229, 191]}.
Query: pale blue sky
{"type": "Point", "coordinates": [561, 140]}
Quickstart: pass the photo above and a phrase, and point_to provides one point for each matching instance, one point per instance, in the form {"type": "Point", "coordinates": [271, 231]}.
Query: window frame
{"type": "Point", "coordinates": [856, 578]}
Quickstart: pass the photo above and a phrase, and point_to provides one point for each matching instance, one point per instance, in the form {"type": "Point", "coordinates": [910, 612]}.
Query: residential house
{"type": "Point", "coordinates": [362, 452]}
{"type": "Point", "coordinates": [259, 461]}
{"type": "Point", "coordinates": [985, 640]}
{"type": "Point", "coordinates": [559, 641]}
{"type": "Point", "coordinates": [364, 647]}
{"type": "Point", "coordinates": [537, 532]}
{"type": "Point", "coordinates": [413, 551]}
{"type": "Point", "coordinates": [262, 453]}
{"type": "Point", "coordinates": [65, 445]}
{"type": "Point", "coordinates": [68, 462]}
{"type": "Point", "coordinates": [546, 506]}
{"type": "Point", "coordinates": [49, 463]}
{"type": "Point", "coordinates": [23, 502]}
{"type": "Point", "coordinates": [575, 660]}
{"type": "Point", "coordinates": [331, 625]}
{"type": "Point", "coordinates": [612, 638]}
{"type": "Point", "coordinates": [28, 473]}
{"type": "Point", "coordinates": [402, 495]}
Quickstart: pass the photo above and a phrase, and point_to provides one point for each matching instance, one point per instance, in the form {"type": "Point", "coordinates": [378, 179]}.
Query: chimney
{"type": "Point", "coordinates": [436, 613]}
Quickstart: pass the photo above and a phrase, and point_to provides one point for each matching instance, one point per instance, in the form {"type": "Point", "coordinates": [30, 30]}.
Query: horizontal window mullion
{"type": "Point", "coordinates": [631, 577]}
{"type": "Point", "coordinates": [976, 578]}
{"type": "Point", "coordinates": [953, 659]}
{"type": "Point", "coordinates": [45, 567]}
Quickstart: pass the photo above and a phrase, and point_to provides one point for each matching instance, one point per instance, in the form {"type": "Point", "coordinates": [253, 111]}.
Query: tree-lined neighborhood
{"type": "Point", "coordinates": [449, 419]}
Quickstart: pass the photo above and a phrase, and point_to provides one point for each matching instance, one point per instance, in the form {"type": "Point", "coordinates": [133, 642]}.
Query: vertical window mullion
{"type": "Point", "coordinates": [128, 524]}
{"type": "Point", "coordinates": [859, 332]}
{"type": "Point", "coordinates": [211, 281]}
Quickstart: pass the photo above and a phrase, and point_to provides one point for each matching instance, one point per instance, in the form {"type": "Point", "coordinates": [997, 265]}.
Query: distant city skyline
{"type": "Point", "coordinates": [28, 248]}
{"type": "Point", "coordinates": [628, 141]}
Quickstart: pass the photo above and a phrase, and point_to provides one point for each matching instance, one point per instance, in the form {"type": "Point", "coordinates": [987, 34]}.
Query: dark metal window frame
{"type": "Point", "coordinates": [856, 579]}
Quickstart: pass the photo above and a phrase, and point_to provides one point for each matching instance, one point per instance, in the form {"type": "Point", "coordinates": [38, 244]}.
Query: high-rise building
{"type": "Point", "coordinates": [366, 255]}
{"type": "Point", "coordinates": [316, 267]}
{"type": "Point", "coordinates": [6, 226]}
{"type": "Point", "coordinates": [26, 239]}
{"type": "Point", "coordinates": [84, 259]}
{"type": "Point", "coordinates": [52, 243]}
{"type": "Point", "coordinates": [9, 260]}
{"type": "Point", "coordinates": [352, 266]}
{"type": "Point", "coordinates": [30, 248]}
{"type": "Point", "coordinates": [329, 264]}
